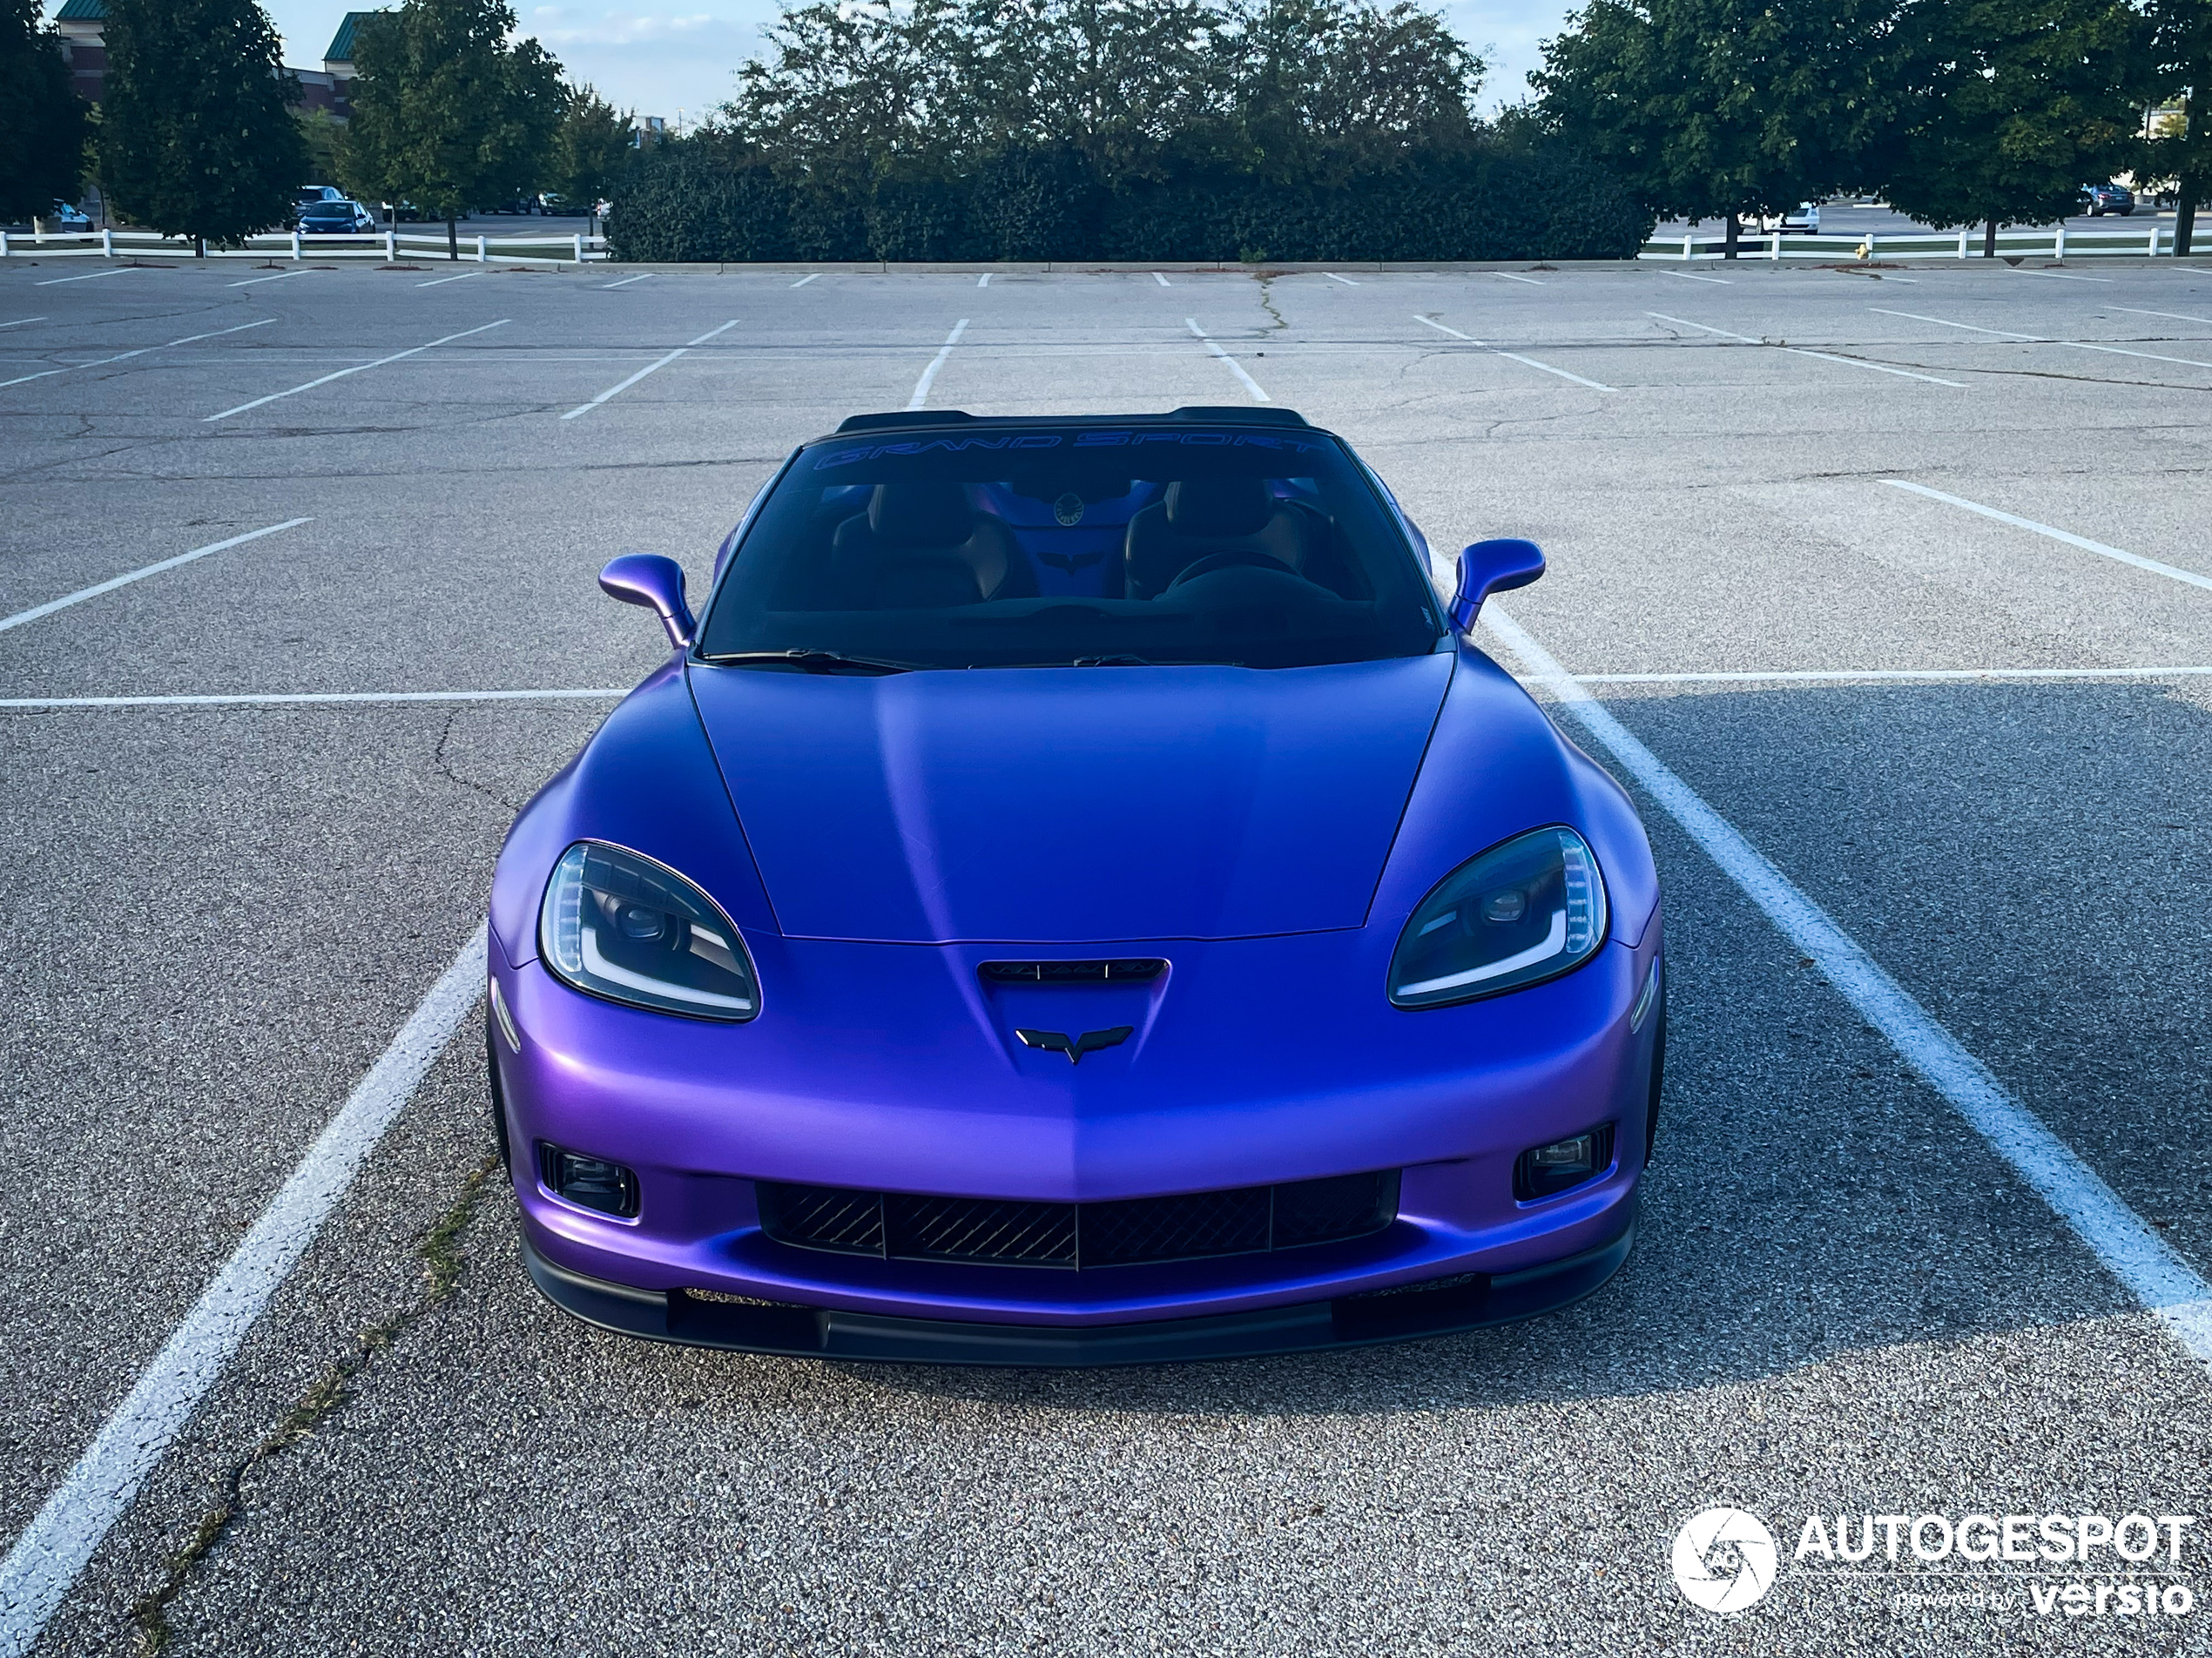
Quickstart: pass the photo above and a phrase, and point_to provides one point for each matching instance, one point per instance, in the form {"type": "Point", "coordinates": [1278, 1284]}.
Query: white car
{"type": "Point", "coordinates": [1804, 217]}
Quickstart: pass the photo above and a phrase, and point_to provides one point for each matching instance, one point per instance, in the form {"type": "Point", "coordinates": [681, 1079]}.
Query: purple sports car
{"type": "Point", "coordinates": [1076, 897]}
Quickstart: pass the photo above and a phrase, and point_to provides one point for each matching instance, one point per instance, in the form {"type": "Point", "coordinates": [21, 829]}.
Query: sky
{"type": "Point", "coordinates": [661, 61]}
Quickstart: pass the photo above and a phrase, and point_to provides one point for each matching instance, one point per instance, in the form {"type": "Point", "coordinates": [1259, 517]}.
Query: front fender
{"type": "Point", "coordinates": [646, 780]}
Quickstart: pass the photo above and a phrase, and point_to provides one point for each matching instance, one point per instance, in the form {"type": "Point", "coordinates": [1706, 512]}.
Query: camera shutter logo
{"type": "Point", "coordinates": [1724, 1559]}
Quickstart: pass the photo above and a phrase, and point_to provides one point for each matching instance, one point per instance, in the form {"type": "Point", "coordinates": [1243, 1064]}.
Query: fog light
{"type": "Point", "coordinates": [1542, 1170]}
{"type": "Point", "coordinates": [589, 1183]}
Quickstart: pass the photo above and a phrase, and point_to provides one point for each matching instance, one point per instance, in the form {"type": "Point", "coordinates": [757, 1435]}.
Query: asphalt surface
{"type": "Point", "coordinates": [215, 917]}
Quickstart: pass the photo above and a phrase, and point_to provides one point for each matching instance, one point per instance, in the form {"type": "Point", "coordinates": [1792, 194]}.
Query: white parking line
{"type": "Point", "coordinates": [279, 277]}
{"type": "Point", "coordinates": [1880, 368]}
{"type": "Point", "coordinates": [804, 280]}
{"type": "Point", "coordinates": [1691, 276]}
{"type": "Point", "coordinates": [1705, 327]}
{"type": "Point", "coordinates": [2040, 339]}
{"type": "Point", "coordinates": [114, 581]}
{"type": "Point", "coordinates": [929, 374]}
{"type": "Point", "coordinates": [2072, 540]}
{"type": "Point", "coordinates": [1801, 351]}
{"type": "Point", "coordinates": [115, 270]}
{"type": "Point", "coordinates": [54, 1548]}
{"type": "Point", "coordinates": [440, 281]}
{"type": "Point", "coordinates": [1970, 327]}
{"type": "Point", "coordinates": [1855, 676]}
{"type": "Point", "coordinates": [626, 281]}
{"type": "Point", "coordinates": [102, 362]}
{"type": "Point", "coordinates": [1346, 280]}
{"type": "Point", "coordinates": [1510, 277]}
{"type": "Point", "coordinates": [585, 408]}
{"type": "Point", "coordinates": [1161, 280]}
{"type": "Point", "coordinates": [19, 322]}
{"type": "Point", "coordinates": [2065, 276]}
{"type": "Point", "coordinates": [356, 369]}
{"type": "Point", "coordinates": [1530, 361]}
{"type": "Point", "coordinates": [984, 280]}
{"type": "Point", "coordinates": [1260, 395]}
{"type": "Point", "coordinates": [2171, 316]}
{"type": "Point", "coordinates": [286, 698]}
{"type": "Point", "coordinates": [2159, 1279]}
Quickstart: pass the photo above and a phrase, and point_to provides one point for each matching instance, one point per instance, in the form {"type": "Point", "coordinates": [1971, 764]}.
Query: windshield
{"type": "Point", "coordinates": [1036, 545]}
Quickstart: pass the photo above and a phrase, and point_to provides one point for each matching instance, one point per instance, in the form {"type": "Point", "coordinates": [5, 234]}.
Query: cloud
{"type": "Point", "coordinates": [562, 26]}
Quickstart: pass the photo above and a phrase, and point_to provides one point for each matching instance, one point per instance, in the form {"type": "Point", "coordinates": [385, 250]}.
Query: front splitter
{"type": "Point", "coordinates": [1467, 1302]}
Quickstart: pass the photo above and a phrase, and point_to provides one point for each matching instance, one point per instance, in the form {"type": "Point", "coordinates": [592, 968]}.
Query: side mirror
{"type": "Point", "coordinates": [655, 582]}
{"type": "Point", "coordinates": [1486, 568]}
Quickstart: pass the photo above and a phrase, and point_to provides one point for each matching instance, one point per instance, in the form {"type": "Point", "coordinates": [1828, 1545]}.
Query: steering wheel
{"type": "Point", "coordinates": [1233, 558]}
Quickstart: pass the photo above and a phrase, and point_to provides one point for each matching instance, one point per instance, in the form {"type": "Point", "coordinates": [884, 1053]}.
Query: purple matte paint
{"type": "Point", "coordinates": [1266, 834]}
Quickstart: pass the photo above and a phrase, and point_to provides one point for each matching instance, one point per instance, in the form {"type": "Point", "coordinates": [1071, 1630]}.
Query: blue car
{"type": "Point", "coordinates": [1074, 893]}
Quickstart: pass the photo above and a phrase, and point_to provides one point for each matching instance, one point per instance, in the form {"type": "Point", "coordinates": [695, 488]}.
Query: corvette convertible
{"type": "Point", "coordinates": [1074, 893]}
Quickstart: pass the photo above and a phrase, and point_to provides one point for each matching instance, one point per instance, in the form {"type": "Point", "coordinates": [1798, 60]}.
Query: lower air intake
{"type": "Point", "coordinates": [1247, 1220]}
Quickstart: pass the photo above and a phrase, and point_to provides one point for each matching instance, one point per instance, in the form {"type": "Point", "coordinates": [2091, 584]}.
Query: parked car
{"type": "Point", "coordinates": [66, 219]}
{"type": "Point", "coordinates": [340, 218]}
{"type": "Point", "coordinates": [1325, 1009]}
{"type": "Point", "coordinates": [2108, 199]}
{"type": "Point", "coordinates": [1804, 217]}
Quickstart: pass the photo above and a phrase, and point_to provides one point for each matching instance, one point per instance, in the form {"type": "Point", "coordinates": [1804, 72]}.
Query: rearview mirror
{"type": "Point", "coordinates": [1490, 567]}
{"type": "Point", "coordinates": [655, 582]}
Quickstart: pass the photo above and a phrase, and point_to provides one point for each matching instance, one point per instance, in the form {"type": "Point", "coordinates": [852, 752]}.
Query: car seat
{"type": "Point", "coordinates": [922, 546]}
{"type": "Point", "coordinates": [1201, 517]}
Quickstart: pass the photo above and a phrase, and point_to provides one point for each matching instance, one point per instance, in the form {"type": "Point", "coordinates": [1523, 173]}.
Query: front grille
{"type": "Point", "coordinates": [1247, 1220]}
{"type": "Point", "coordinates": [850, 1222]}
{"type": "Point", "coordinates": [967, 1228]}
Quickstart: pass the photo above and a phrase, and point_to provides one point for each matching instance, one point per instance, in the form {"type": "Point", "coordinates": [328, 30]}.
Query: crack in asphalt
{"type": "Point", "coordinates": [1267, 304]}
{"type": "Point", "coordinates": [445, 769]}
{"type": "Point", "coordinates": [441, 1268]}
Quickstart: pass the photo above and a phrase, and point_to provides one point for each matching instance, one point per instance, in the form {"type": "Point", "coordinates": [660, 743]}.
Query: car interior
{"type": "Point", "coordinates": [937, 560]}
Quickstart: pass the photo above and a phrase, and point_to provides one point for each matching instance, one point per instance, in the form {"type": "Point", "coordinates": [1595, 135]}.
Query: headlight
{"type": "Point", "coordinates": [1522, 913]}
{"type": "Point", "coordinates": [624, 928]}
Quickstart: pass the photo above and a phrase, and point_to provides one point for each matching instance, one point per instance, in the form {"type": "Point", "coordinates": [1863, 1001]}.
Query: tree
{"type": "Point", "coordinates": [319, 134]}
{"type": "Point", "coordinates": [1105, 86]}
{"type": "Point", "coordinates": [196, 131]}
{"type": "Point", "coordinates": [2182, 46]}
{"type": "Point", "coordinates": [1322, 89]}
{"type": "Point", "coordinates": [42, 119]}
{"type": "Point", "coordinates": [593, 150]}
{"type": "Point", "coordinates": [849, 87]}
{"type": "Point", "coordinates": [1720, 108]}
{"type": "Point", "coordinates": [852, 91]}
{"type": "Point", "coordinates": [446, 112]}
{"type": "Point", "coordinates": [2016, 104]}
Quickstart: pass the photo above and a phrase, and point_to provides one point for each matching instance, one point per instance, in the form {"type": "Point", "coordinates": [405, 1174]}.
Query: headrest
{"type": "Point", "coordinates": [1219, 506]}
{"type": "Point", "coordinates": [922, 514]}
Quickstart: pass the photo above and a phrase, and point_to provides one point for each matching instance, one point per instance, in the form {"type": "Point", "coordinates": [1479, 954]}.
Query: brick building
{"type": "Point", "coordinates": [84, 23]}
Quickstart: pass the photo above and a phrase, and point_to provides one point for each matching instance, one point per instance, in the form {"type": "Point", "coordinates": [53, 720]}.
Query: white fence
{"type": "Point", "coordinates": [2151, 241]}
{"type": "Point", "coordinates": [386, 245]}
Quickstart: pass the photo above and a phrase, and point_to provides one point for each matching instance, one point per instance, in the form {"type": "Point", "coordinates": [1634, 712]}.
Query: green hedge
{"type": "Point", "coordinates": [688, 203]}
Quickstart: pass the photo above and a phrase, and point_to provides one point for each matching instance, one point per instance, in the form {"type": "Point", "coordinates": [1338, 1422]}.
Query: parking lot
{"type": "Point", "coordinates": [1901, 576]}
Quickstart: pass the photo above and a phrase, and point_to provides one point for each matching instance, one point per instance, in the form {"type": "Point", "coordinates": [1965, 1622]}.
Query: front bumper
{"type": "Point", "coordinates": [1467, 1302]}
{"type": "Point", "coordinates": [939, 1104]}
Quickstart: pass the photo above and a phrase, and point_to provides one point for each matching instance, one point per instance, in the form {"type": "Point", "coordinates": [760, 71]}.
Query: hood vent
{"type": "Point", "coordinates": [1133, 971]}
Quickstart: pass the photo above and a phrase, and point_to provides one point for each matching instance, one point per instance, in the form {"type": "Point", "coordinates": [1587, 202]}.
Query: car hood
{"type": "Point", "coordinates": [1071, 806]}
